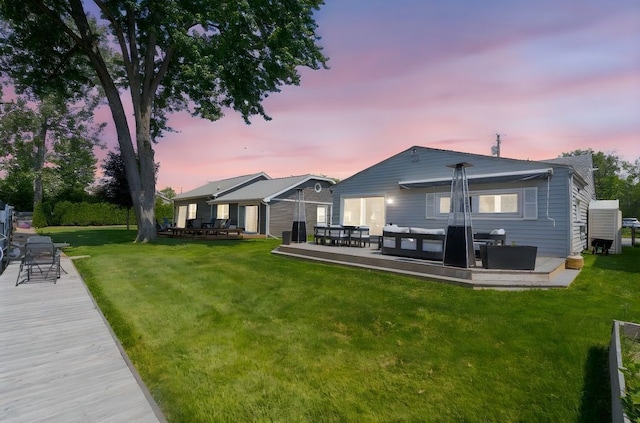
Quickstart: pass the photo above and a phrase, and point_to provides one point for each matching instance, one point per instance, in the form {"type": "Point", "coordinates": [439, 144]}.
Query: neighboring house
{"type": "Point", "coordinates": [540, 203]}
{"type": "Point", "coordinates": [267, 206]}
{"type": "Point", "coordinates": [194, 204]}
{"type": "Point", "coordinates": [257, 203]}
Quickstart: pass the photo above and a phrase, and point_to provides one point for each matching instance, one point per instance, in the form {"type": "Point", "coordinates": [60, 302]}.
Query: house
{"type": "Point", "coordinates": [258, 203]}
{"type": "Point", "coordinates": [540, 203]}
{"type": "Point", "coordinates": [194, 204]}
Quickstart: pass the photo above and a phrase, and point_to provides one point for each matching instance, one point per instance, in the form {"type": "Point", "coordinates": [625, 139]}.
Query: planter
{"type": "Point", "coordinates": [512, 257]}
{"type": "Point", "coordinates": [620, 330]}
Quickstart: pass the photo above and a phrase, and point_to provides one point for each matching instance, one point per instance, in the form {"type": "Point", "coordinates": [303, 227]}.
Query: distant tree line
{"type": "Point", "coordinates": [615, 179]}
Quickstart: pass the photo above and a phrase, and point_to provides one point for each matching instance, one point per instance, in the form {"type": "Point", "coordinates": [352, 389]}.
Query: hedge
{"type": "Point", "coordinates": [67, 213]}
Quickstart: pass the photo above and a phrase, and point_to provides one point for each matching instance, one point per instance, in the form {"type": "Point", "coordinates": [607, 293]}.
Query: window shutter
{"type": "Point", "coordinates": [431, 206]}
{"type": "Point", "coordinates": [530, 204]}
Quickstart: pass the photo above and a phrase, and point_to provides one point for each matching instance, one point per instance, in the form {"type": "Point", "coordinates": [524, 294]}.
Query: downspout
{"type": "Point", "coordinates": [548, 189]}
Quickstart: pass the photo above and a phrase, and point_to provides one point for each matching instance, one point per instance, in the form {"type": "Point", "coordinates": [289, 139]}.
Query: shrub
{"type": "Point", "coordinates": [39, 220]}
{"type": "Point", "coordinates": [164, 210]}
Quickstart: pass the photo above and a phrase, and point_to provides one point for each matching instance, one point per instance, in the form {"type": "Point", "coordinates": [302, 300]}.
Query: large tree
{"type": "Point", "coordinates": [615, 179]}
{"type": "Point", "coordinates": [606, 173]}
{"type": "Point", "coordinates": [49, 139]}
{"type": "Point", "coordinates": [198, 55]}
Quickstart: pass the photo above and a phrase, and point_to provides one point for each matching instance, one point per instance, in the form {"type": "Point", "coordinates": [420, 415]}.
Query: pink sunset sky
{"type": "Point", "coordinates": [550, 76]}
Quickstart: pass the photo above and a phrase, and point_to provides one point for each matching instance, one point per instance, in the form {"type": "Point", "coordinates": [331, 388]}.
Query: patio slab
{"type": "Point", "coordinates": [549, 272]}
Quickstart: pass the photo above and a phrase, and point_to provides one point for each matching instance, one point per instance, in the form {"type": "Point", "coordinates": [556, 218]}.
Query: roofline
{"type": "Point", "coordinates": [252, 177]}
{"type": "Point", "coordinates": [446, 151]}
{"type": "Point", "coordinates": [270, 197]}
{"type": "Point", "coordinates": [308, 177]}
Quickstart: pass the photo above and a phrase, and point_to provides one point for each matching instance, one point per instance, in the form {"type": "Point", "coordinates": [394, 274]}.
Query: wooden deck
{"type": "Point", "coordinates": [549, 272]}
{"type": "Point", "coordinates": [59, 361]}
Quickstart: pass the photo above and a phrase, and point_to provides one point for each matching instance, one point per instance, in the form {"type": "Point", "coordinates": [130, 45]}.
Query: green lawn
{"type": "Point", "coordinates": [225, 331]}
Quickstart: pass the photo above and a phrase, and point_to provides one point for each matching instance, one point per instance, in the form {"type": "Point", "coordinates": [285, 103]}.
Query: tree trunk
{"type": "Point", "coordinates": [137, 175]}
{"type": "Point", "coordinates": [140, 168]}
{"type": "Point", "coordinates": [38, 164]}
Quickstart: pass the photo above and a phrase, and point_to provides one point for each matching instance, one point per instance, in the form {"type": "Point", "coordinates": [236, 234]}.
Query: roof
{"type": "Point", "coordinates": [266, 190]}
{"type": "Point", "coordinates": [217, 188]}
{"type": "Point", "coordinates": [582, 164]}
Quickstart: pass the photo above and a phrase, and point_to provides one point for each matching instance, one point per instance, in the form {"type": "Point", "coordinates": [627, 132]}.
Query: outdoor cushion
{"type": "Point", "coordinates": [432, 246]}
{"type": "Point", "coordinates": [396, 229]}
{"type": "Point", "coordinates": [427, 231]}
{"type": "Point", "coordinates": [408, 244]}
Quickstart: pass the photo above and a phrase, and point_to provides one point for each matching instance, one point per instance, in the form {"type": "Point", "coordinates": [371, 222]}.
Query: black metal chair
{"type": "Point", "coordinates": [41, 255]}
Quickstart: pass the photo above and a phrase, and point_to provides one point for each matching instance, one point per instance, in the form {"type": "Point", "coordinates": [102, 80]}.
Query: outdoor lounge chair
{"type": "Point", "coordinates": [42, 256]}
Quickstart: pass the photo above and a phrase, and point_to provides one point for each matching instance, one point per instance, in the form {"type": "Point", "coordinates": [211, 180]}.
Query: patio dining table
{"type": "Point", "coordinates": [345, 235]}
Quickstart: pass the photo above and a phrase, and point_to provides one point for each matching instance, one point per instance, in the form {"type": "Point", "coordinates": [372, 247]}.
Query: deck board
{"type": "Point", "coordinates": [549, 272]}
{"type": "Point", "coordinates": [60, 361]}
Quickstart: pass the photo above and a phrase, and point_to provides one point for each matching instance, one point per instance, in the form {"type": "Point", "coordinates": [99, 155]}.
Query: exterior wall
{"type": "Point", "coordinates": [581, 196]}
{"type": "Point", "coordinates": [203, 210]}
{"type": "Point", "coordinates": [281, 209]}
{"type": "Point", "coordinates": [407, 207]}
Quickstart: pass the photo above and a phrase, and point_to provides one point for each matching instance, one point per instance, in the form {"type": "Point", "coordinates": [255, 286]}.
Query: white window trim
{"type": "Point", "coordinates": [526, 210]}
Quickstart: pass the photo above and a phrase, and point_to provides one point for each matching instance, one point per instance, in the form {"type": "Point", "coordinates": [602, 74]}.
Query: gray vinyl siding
{"type": "Point", "coordinates": [580, 209]}
{"type": "Point", "coordinates": [203, 210]}
{"type": "Point", "coordinates": [408, 206]}
{"type": "Point", "coordinates": [281, 217]}
{"type": "Point", "coordinates": [282, 208]}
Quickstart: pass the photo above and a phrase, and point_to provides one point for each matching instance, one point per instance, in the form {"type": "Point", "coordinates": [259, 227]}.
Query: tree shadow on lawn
{"type": "Point", "coordinates": [93, 237]}
{"type": "Point", "coordinates": [595, 404]}
{"type": "Point", "coordinates": [103, 236]}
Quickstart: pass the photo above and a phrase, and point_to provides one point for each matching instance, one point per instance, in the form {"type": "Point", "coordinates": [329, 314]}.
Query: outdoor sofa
{"type": "Point", "coordinates": [429, 243]}
{"type": "Point", "coordinates": [413, 242]}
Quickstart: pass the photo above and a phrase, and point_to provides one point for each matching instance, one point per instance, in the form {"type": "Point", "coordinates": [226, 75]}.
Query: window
{"type": "Point", "coordinates": [321, 214]}
{"type": "Point", "coordinates": [519, 203]}
{"type": "Point", "coordinates": [191, 211]}
{"type": "Point", "coordinates": [497, 203]}
{"type": "Point", "coordinates": [445, 205]}
{"type": "Point", "coordinates": [364, 211]}
{"type": "Point", "coordinates": [222, 211]}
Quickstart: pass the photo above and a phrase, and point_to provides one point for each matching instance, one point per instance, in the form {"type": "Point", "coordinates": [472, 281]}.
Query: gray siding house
{"type": "Point", "coordinates": [540, 203]}
{"type": "Point", "coordinates": [258, 203]}
{"type": "Point", "coordinates": [267, 206]}
{"type": "Point", "coordinates": [194, 204]}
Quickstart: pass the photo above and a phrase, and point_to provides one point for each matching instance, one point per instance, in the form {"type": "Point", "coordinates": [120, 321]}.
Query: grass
{"type": "Point", "coordinates": [225, 331]}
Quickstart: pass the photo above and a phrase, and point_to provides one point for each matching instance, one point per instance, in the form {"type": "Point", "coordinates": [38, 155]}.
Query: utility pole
{"type": "Point", "coordinates": [495, 149]}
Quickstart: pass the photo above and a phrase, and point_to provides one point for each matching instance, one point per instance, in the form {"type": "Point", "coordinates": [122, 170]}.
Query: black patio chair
{"type": "Point", "coordinates": [42, 256]}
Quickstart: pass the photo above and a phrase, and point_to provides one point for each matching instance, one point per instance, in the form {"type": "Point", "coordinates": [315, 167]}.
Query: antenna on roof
{"type": "Point", "coordinates": [495, 149]}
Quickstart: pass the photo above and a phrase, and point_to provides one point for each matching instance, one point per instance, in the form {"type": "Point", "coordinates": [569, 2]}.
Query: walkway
{"type": "Point", "coordinates": [59, 361]}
